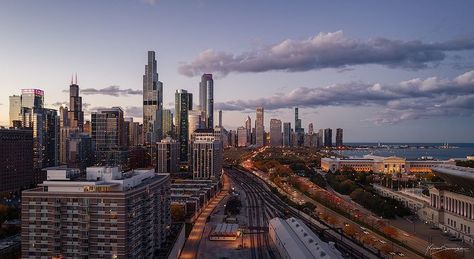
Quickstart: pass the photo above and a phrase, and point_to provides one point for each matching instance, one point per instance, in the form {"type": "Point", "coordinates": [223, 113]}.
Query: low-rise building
{"type": "Point", "coordinates": [294, 240]}
{"type": "Point", "coordinates": [378, 164]}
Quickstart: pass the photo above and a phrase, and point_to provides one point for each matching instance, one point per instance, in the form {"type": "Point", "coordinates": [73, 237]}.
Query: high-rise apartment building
{"type": "Point", "coordinates": [259, 128]}
{"type": "Point", "coordinates": [320, 138]}
{"type": "Point", "coordinates": [328, 137]}
{"type": "Point", "coordinates": [109, 214]}
{"type": "Point", "coordinates": [275, 133]}
{"type": "Point", "coordinates": [287, 134]}
{"type": "Point", "coordinates": [194, 122]}
{"type": "Point", "coordinates": [80, 151]}
{"type": "Point", "coordinates": [167, 123]}
{"type": "Point", "coordinates": [181, 122]}
{"type": "Point", "coordinates": [242, 137]}
{"type": "Point", "coordinates": [248, 127]}
{"type": "Point", "coordinates": [152, 102]}
{"type": "Point", "coordinates": [207, 154]}
{"type": "Point", "coordinates": [339, 136]}
{"type": "Point", "coordinates": [206, 99]}
{"type": "Point", "coordinates": [167, 156]}
{"type": "Point", "coordinates": [16, 163]}
{"type": "Point", "coordinates": [220, 118]}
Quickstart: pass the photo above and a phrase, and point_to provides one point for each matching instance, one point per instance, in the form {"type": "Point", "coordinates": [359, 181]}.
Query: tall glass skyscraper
{"type": "Point", "coordinates": [181, 121]}
{"type": "Point", "coordinates": [206, 99]}
{"type": "Point", "coordinates": [152, 102]}
{"type": "Point", "coordinates": [259, 128]}
{"type": "Point", "coordinates": [75, 113]}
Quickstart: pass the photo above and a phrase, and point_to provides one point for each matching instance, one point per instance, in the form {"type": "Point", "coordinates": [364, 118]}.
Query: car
{"type": "Point", "coordinates": [392, 253]}
{"type": "Point", "coordinates": [405, 234]}
{"type": "Point", "coordinates": [366, 232]}
{"type": "Point", "coordinates": [382, 241]}
{"type": "Point", "coordinates": [401, 254]}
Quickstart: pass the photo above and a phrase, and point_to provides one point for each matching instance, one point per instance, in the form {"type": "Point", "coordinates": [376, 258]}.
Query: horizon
{"type": "Point", "coordinates": [409, 80]}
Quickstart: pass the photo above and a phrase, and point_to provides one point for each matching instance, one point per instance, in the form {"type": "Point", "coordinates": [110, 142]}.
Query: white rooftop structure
{"type": "Point", "coordinates": [296, 241]}
{"type": "Point", "coordinates": [101, 179]}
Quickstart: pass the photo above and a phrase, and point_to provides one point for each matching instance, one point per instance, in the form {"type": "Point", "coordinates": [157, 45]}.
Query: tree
{"type": "Point", "coordinates": [177, 213]}
{"type": "Point", "coordinates": [332, 220]}
{"type": "Point", "coordinates": [349, 230]}
{"type": "Point", "coordinates": [390, 231]}
{"type": "Point", "coordinates": [386, 248]}
{"type": "Point", "coordinates": [447, 254]}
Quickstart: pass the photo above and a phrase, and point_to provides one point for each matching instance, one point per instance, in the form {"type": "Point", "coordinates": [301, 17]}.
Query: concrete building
{"type": "Point", "coordinates": [328, 137]}
{"type": "Point", "coordinates": [16, 163]}
{"type": "Point", "coordinates": [339, 137]}
{"type": "Point", "coordinates": [294, 240]}
{"type": "Point", "coordinates": [167, 156]}
{"type": "Point", "coordinates": [275, 133]}
{"type": "Point", "coordinates": [152, 102]}
{"type": "Point", "coordinates": [378, 164]}
{"type": "Point", "coordinates": [109, 214]}
{"type": "Point", "coordinates": [242, 137]}
{"type": "Point", "coordinates": [260, 128]}
{"type": "Point", "coordinates": [207, 155]}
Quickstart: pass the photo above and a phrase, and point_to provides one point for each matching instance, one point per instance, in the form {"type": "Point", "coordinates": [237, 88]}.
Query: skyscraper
{"type": "Point", "coordinates": [167, 153]}
{"type": "Point", "coordinates": [297, 120]}
{"type": "Point", "coordinates": [310, 129]}
{"type": "Point", "coordinates": [32, 98]}
{"type": "Point", "coordinates": [339, 136]}
{"type": "Point", "coordinates": [75, 113]}
{"type": "Point", "coordinates": [328, 137]}
{"type": "Point", "coordinates": [167, 123]}
{"type": "Point", "coordinates": [194, 122]}
{"type": "Point", "coordinates": [248, 127]}
{"type": "Point", "coordinates": [108, 133]}
{"type": "Point", "coordinates": [299, 131]}
{"type": "Point", "coordinates": [206, 152]}
{"type": "Point", "coordinates": [152, 101]}
{"type": "Point", "coordinates": [206, 99]}
{"type": "Point", "coordinates": [242, 137]}
{"type": "Point", "coordinates": [181, 121]}
{"type": "Point", "coordinates": [220, 118]}
{"type": "Point", "coordinates": [259, 128]}
{"type": "Point", "coordinates": [275, 133]}
{"type": "Point", "coordinates": [287, 134]}
{"type": "Point", "coordinates": [15, 109]}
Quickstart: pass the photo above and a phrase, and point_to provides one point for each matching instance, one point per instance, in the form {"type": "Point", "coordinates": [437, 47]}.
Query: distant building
{"type": "Point", "coordinates": [15, 109]}
{"type": "Point", "coordinates": [195, 122]}
{"type": "Point", "coordinates": [16, 163]}
{"type": "Point", "coordinates": [339, 136]}
{"type": "Point", "coordinates": [310, 129]}
{"type": "Point", "coordinates": [287, 134]}
{"type": "Point", "coordinates": [378, 164]}
{"type": "Point", "coordinates": [168, 124]}
{"type": "Point", "coordinates": [75, 114]}
{"type": "Point", "coordinates": [328, 137]}
{"type": "Point", "coordinates": [88, 127]}
{"type": "Point", "coordinates": [181, 122]}
{"type": "Point", "coordinates": [108, 133]}
{"type": "Point", "coordinates": [80, 151]}
{"type": "Point", "coordinates": [299, 140]}
{"type": "Point", "coordinates": [220, 118]}
{"type": "Point", "coordinates": [167, 153]}
{"type": "Point", "coordinates": [242, 137]}
{"type": "Point", "coordinates": [260, 128]}
{"type": "Point", "coordinates": [152, 102]}
{"type": "Point", "coordinates": [248, 127]}
{"type": "Point", "coordinates": [107, 197]}
{"type": "Point", "coordinates": [321, 138]}
{"type": "Point", "coordinates": [275, 133]}
{"type": "Point", "coordinates": [207, 155]}
{"type": "Point", "coordinates": [206, 99]}
{"type": "Point", "coordinates": [294, 240]}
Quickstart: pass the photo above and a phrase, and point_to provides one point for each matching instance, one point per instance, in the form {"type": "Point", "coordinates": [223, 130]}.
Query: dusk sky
{"type": "Point", "coordinates": [393, 71]}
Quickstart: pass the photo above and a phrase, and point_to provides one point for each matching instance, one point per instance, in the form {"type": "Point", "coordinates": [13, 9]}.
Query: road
{"type": "Point", "coordinates": [191, 247]}
{"type": "Point", "coordinates": [271, 206]}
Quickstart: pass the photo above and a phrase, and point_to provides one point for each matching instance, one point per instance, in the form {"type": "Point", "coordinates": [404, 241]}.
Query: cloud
{"type": "Point", "coordinates": [134, 111]}
{"type": "Point", "coordinates": [413, 99]}
{"type": "Point", "coordinates": [112, 90]}
{"type": "Point", "coordinates": [150, 2]}
{"type": "Point", "coordinates": [325, 50]}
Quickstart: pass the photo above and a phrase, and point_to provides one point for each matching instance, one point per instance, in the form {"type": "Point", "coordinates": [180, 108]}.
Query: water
{"type": "Point", "coordinates": [413, 151]}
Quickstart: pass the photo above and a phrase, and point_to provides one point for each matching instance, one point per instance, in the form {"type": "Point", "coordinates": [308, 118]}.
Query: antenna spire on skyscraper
{"type": "Point", "coordinates": [72, 77]}
{"type": "Point", "coordinates": [76, 79]}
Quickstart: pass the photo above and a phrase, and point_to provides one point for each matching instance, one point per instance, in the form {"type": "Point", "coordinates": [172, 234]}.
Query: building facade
{"type": "Point", "coordinates": [167, 156]}
{"type": "Point", "coordinates": [206, 99]}
{"type": "Point", "coordinates": [259, 127]}
{"type": "Point", "coordinates": [242, 137]}
{"type": "Point", "coordinates": [182, 123]}
{"type": "Point", "coordinates": [275, 133]}
{"type": "Point", "coordinates": [152, 101]}
{"type": "Point", "coordinates": [207, 156]}
{"type": "Point", "coordinates": [109, 215]}
{"type": "Point", "coordinates": [339, 137]}
{"type": "Point", "coordinates": [328, 137]}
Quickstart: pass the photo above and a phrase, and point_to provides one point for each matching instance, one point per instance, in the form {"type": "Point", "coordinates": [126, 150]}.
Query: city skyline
{"type": "Point", "coordinates": [379, 97]}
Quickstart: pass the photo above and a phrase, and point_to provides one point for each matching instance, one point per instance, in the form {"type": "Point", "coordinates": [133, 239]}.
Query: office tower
{"type": "Point", "coordinates": [298, 130]}
{"type": "Point", "coordinates": [339, 136]}
{"type": "Point", "coordinates": [80, 151]}
{"type": "Point", "coordinates": [259, 128]}
{"type": "Point", "coordinates": [109, 214]}
{"type": "Point", "coordinates": [194, 122]}
{"type": "Point", "coordinates": [87, 127]}
{"type": "Point", "coordinates": [287, 134]}
{"type": "Point", "coordinates": [328, 137]}
{"type": "Point", "coordinates": [109, 136]}
{"type": "Point", "coordinates": [167, 156]}
{"type": "Point", "coordinates": [15, 109]}
{"type": "Point", "coordinates": [220, 118]}
{"type": "Point", "coordinates": [64, 134]}
{"type": "Point", "coordinates": [16, 163]}
{"type": "Point", "coordinates": [32, 98]}
{"type": "Point", "coordinates": [133, 132]}
{"type": "Point", "coordinates": [207, 154]}
{"type": "Point", "coordinates": [308, 139]}
{"type": "Point", "coordinates": [206, 99]}
{"type": "Point", "coordinates": [310, 129]}
{"type": "Point", "coordinates": [275, 133]}
{"type": "Point", "coordinates": [181, 121]}
{"type": "Point", "coordinates": [248, 127]}
{"type": "Point", "coordinates": [152, 102]}
{"type": "Point", "coordinates": [45, 126]}
{"type": "Point", "coordinates": [320, 138]}
{"type": "Point", "coordinates": [253, 137]}
{"type": "Point", "coordinates": [242, 137]}
{"type": "Point", "coordinates": [63, 117]}
{"type": "Point", "coordinates": [167, 123]}
{"type": "Point", "coordinates": [297, 120]}
{"type": "Point", "coordinates": [75, 113]}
